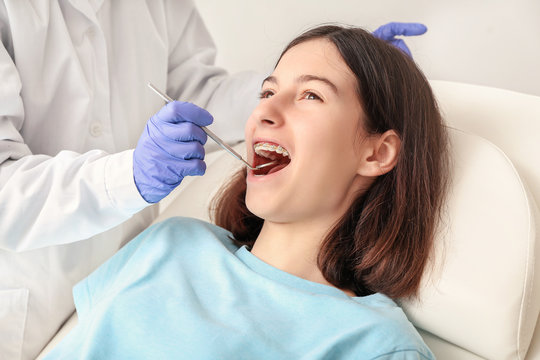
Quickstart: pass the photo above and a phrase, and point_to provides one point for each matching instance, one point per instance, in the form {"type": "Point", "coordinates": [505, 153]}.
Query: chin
{"type": "Point", "coordinates": [256, 207]}
{"type": "Point", "coordinates": [264, 210]}
{"type": "Point", "coordinates": [270, 213]}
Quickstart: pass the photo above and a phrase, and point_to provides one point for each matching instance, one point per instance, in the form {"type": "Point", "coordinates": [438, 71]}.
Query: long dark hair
{"type": "Point", "coordinates": [383, 242]}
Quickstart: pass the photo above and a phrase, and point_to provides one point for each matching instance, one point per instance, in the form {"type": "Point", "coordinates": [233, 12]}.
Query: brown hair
{"type": "Point", "coordinates": [383, 242]}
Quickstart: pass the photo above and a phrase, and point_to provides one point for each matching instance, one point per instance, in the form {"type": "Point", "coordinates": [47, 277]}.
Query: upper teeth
{"type": "Point", "coordinates": [260, 147]}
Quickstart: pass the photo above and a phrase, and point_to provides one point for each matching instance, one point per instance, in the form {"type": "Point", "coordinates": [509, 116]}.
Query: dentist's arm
{"type": "Point", "coordinates": [50, 200]}
{"type": "Point", "coordinates": [388, 33]}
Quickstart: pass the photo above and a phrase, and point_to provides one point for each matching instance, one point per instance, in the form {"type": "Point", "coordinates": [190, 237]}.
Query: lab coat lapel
{"type": "Point", "coordinates": [88, 8]}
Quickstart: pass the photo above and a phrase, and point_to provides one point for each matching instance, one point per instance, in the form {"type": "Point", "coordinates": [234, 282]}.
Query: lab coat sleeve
{"type": "Point", "coordinates": [64, 198]}
{"type": "Point", "coordinates": [194, 77]}
{"type": "Point", "coordinates": [48, 200]}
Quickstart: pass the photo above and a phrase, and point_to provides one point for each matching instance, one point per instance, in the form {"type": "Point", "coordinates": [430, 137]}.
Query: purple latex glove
{"type": "Point", "coordinates": [170, 148]}
{"type": "Point", "coordinates": [388, 33]}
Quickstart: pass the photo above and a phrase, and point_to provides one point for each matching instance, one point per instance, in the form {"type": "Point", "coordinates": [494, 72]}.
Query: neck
{"type": "Point", "coordinates": [293, 248]}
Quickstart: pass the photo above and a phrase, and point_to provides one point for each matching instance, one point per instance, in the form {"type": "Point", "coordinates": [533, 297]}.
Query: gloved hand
{"type": "Point", "coordinates": [170, 148]}
{"type": "Point", "coordinates": [388, 33]}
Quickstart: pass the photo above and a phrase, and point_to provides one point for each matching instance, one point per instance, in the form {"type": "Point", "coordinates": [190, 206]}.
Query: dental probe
{"type": "Point", "coordinates": [213, 136]}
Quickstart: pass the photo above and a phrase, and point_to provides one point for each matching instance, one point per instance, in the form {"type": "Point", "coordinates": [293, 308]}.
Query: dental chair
{"type": "Point", "coordinates": [480, 298]}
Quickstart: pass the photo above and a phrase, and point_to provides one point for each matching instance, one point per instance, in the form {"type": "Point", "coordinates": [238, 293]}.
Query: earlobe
{"type": "Point", "coordinates": [381, 155]}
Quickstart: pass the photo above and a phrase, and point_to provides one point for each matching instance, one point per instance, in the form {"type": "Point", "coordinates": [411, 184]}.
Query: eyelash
{"type": "Point", "coordinates": [309, 93]}
{"type": "Point", "coordinates": [264, 95]}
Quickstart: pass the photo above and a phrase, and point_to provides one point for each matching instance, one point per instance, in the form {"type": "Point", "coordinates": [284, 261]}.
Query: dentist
{"type": "Point", "coordinates": [73, 163]}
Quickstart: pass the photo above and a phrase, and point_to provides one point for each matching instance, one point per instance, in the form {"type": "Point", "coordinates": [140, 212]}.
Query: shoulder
{"type": "Point", "coordinates": [183, 231]}
{"type": "Point", "coordinates": [393, 335]}
{"type": "Point", "coordinates": [167, 243]}
{"type": "Point", "coordinates": [189, 226]}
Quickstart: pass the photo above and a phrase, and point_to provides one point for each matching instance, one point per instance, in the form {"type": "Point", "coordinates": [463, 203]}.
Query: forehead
{"type": "Point", "coordinates": [318, 57]}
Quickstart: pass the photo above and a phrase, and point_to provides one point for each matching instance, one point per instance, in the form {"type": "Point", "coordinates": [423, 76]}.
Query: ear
{"type": "Point", "coordinates": [381, 154]}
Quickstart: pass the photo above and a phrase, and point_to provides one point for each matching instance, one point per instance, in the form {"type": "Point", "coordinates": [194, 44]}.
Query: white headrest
{"type": "Point", "coordinates": [482, 293]}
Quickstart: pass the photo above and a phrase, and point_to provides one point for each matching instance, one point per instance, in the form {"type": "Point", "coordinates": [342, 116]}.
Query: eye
{"type": "Point", "coordinates": [309, 95]}
{"type": "Point", "coordinates": [265, 94]}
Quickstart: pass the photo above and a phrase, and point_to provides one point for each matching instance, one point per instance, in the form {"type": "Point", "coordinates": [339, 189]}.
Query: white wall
{"type": "Point", "coordinates": [487, 42]}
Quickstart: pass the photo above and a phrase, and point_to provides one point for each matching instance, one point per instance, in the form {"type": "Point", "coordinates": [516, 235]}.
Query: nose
{"type": "Point", "coordinates": [270, 112]}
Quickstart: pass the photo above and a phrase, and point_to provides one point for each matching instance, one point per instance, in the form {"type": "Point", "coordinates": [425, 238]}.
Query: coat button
{"type": "Point", "coordinates": [96, 129]}
{"type": "Point", "coordinates": [90, 33]}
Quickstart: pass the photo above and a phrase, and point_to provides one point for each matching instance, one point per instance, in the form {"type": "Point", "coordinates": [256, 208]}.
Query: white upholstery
{"type": "Point", "coordinates": [511, 121]}
{"type": "Point", "coordinates": [483, 273]}
{"type": "Point", "coordinates": [481, 300]}
{"type": "Point", "coordinates": [508, 119]}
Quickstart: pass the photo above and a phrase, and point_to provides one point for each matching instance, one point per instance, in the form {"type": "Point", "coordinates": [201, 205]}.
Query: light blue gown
{"type": "Point", "coordinates": [182, 290]}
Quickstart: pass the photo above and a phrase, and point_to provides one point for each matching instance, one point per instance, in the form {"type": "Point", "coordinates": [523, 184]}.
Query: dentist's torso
{"type": "Point", "coordinates": [83, 68]}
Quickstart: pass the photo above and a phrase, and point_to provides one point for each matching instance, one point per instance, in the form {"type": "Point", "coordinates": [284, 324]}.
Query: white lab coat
{"type": "Point", "coordinates": [73, 103]}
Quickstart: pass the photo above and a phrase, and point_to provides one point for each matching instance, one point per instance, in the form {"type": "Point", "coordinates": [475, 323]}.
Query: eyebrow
{"type": "Point", "coordinates": [306, 78]}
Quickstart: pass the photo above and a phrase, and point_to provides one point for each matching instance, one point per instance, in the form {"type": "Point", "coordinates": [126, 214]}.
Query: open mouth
{"type": "Point", "coordinates": [266, 152]}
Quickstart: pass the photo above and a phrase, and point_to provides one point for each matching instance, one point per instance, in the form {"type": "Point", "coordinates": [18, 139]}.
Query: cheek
{"type": "Point", "coordinates": [331, 144]}
{"type": "Point", "coordinates": [332, 159]}
{"type": "Point", "coordinates": [249, 127]}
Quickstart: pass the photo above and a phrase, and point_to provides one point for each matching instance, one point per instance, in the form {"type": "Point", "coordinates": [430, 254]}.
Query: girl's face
{"type": "Point", "coordinates": [310, 113]}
